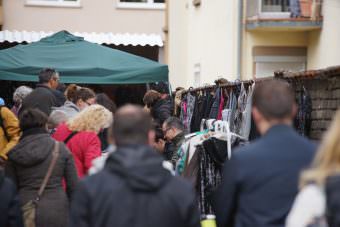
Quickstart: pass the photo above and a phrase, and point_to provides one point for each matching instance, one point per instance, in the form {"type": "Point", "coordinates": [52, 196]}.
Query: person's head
{"type": "Point", "coordinates": [20, 93]}
{"type": "Point", "coordinates": [151, 97]}
{"type": "Point", "coordinates": [80, 96]}
{"type": "Point", "coordinates": [32, 118]}
{"type": "Point", "coordinates": [104, 100]}
{"type": "Point", "coordinates": [132, 126]}
{"type": "Point", "coordinates": [93, 119]}
{"type": "Point", "coordinates": [273, 103]}
{"type": "Point", "coordinates": [56, 118]}
{"type": "Point", "coordinates": [70, 91]}
{"type": "Point", "coordinates": [49, 77]}
{"type": "Point", "coordinates": [172, 127]}
{"type": "Point", "coordinates": [162, 88]}
{"type": "Point", "coordinates": [327, 161]}
{"type": "Point", "coordinates": [159, 143]}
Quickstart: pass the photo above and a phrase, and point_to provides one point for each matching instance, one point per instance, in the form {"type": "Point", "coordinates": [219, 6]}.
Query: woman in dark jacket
{"type": "Point", "coordinates": [160, 109]}
{"type": "Point", "coordinates": [104, 100]}
{"type": "Point", "coordinates": [27, 165]}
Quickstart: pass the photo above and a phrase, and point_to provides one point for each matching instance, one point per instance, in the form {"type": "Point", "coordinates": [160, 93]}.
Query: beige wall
{"type": "Point", "coordinates": [324, 45]}
{"type": "Point", "coordinates": [92, 16]}
{"type": "Point", "coordinates": [205, 35]}
{"type": "Point", "coordinates": [270, 39]}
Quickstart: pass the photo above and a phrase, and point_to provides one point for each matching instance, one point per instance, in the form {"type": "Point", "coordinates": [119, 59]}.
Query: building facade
{"type": "Point", "coordinates": [246, 39]}
{"type": "Point", "coordinates": [104, 16]}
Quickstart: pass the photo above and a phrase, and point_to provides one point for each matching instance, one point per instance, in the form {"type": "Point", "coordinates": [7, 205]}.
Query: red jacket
{"type": "Point", "coordinates": [85, 146]}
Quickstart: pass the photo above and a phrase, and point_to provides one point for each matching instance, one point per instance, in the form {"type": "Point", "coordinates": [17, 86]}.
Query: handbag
{"type": "Point", "coordinates": [29, 209]}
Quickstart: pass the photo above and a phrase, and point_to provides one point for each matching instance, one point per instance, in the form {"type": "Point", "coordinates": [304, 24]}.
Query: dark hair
{"type": "Point", "coordinates": [151, 97]}
{"type": "Point", "coordinates": [131, 126]}
{"type": "Point", "coordinates": [32, 118]}
{"type": "Point", "coordinates": [159, 134]}
{"type": "Point", "coordinates": [104, 100]}
{"type": "Point", "coordinates": [161, 87]}
{"type": "Point", "coordinates": [46, 75]}
{"type": "Point", "coordinates": [61, 87]}
{"type": "Point", "coordinates": [70, 91]}
{"type": "Point", "coordinates": [82, 93]}
{"type": "Point", "coordinates": [174, 122]}
{"type": "Point", "coordinates": [274, 99]}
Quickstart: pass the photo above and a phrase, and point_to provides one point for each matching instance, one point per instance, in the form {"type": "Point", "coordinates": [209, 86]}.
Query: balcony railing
{"type": "Point", "coordinates": [287, 14]}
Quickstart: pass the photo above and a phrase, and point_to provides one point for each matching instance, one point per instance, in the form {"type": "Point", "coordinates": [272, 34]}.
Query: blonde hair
{"type": "Point", "coordinates": [92, 118]}
{"type": "Point", "coordinates": [327, 160]}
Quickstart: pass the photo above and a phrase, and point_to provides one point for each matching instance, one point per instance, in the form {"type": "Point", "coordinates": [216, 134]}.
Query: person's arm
{"type": "Point", "coordinates": [225, 198]}
{"type": "Point", "coordinates": [80, 215]}
{"type": "Point", "coordinates": [70, 173]}
{"type": "Point", "coordinates": [14, 209]}
{"type": "Point", "coordinates": [93, 150]}
{"type": "Point", "coordinates": [11, 124]}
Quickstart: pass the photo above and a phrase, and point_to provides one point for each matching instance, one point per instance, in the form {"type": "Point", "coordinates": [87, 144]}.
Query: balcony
{"type": "Point", "coordinates": [283, 15]}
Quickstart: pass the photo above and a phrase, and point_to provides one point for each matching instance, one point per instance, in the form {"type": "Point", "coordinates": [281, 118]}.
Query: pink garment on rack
{"type": "Point", "coordinates": [220, 108]}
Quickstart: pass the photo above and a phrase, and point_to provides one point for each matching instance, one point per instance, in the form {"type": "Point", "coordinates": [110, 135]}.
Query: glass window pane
{"type": "Point", "coordinates": [275, 5]}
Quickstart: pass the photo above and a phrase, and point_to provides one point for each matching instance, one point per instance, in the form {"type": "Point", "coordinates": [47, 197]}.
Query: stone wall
{"type": "Point", "coordinates": [325, 95]}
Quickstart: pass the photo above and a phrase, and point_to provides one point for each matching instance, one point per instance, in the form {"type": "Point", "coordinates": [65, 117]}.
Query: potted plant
{"type": "Point", "coordinates": [306, 8]}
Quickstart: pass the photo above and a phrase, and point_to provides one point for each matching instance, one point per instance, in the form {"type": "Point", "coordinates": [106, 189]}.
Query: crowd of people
{"type": "Point", "coordinates": [69, 157]}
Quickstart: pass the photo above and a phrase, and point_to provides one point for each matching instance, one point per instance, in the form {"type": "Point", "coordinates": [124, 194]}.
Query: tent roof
{"type": "Point", "coordinates": [125, 39]}
{"type": "Point", "coordinates": [78, 61]}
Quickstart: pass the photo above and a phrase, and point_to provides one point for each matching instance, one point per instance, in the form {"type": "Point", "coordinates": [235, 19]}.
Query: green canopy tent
{"type": "Point", "coordinates": [78, 61]}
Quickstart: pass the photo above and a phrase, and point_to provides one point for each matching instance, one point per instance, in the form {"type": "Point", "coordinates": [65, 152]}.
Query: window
{"type": "Point", "coordinates": [141, 4]}
{"type": "Point", "coordinates": [275, 6]}
{"type": "Point", "coordinates": [274, 9]}
{"type": "Point", "coordinates": [267, 60]}
{"type": "Point", "coordinates": [57, 3]}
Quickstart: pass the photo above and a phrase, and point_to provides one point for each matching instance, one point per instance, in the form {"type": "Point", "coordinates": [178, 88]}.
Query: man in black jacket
{"type": "Point", "coordinates": [43, 97]}
{"type": "Point", "coordinates": [260, 181]}
{"type": "Point", "coordinates": [173, 131]}
{"type": "Point", "coordinates": [10, 210]}
{"type": "Point", "coordinates": [134, 189]}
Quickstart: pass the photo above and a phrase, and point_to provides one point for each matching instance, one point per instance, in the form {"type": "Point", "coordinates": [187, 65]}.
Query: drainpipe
{"type": "Point", "coordinates": [240, 39]}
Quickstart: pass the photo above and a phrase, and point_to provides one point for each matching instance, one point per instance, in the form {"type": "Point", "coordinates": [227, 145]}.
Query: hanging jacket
{"type": "Point", "coordinates": [10, 210]}
{"type": "Point", "coordinates": [9, 131]}
{"type": "Point", "coordinates": [134, 190]}
{"type": "Point", "coordinates": [216, 105]}
{"type": "Point", "coordinates": [85, 147]}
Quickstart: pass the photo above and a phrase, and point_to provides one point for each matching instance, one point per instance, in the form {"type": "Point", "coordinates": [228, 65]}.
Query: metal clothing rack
{"type": "Point", "coordinates": [288, 76]}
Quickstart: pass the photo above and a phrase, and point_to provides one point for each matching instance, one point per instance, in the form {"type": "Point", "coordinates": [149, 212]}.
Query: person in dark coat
{"type": "Point", "coordinates": [59, 93]}
{"type": "Point", "coordinates": [104, 100]}
{"type": "Point", "coordinates": [10, 211]}
{"type": "Point", "coordinates": [134, 189]}
{"type": "Point", "coordinates": [174, 135]}
{"type": "Point", "coordinates": [43, 97]}
{"type": "Point", "coordinates": [260, 181]}
{"type": "Point", "coordinates": [160, 109]}
{"type": "Point", "coordinates": [27, 166]}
